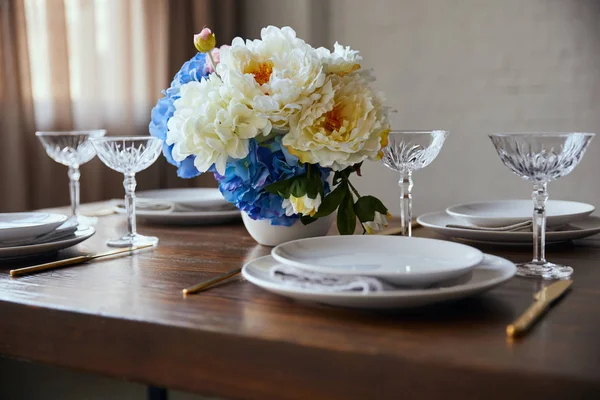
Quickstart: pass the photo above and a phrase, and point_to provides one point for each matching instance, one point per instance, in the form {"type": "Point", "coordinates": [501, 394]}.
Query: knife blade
{"type": "Point", "coordinates": [543, 300]}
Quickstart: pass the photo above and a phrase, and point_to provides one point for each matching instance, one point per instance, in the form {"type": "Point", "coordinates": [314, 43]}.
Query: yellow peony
{"type": "Point", "coordinates": [342, 61]}
{"type": "Point", "coordinates": [350, 128]}
{"type": "Point", "coordinates": [277, 75]}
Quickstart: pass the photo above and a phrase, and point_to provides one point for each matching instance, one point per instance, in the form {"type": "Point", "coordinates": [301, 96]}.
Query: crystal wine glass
{"type": "Point", "coordinates": [541, 158]}
{"type": "Point", "coordinates": [129, 155]}
{"type": "Point", "coordinates": [72, 149]}
{"type": "Point", "coordinates": [406, 152]}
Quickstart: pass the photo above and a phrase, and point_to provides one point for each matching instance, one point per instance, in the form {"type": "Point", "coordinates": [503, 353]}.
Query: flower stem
{"type": "Point", "coordinates": [212, 62]}
{"type": "Point", "coordinates": [353, 188]}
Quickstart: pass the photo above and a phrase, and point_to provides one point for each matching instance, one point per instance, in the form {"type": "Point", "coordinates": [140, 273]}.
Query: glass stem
{"type": "Point", "coordinates": [74, 175]}
{"type": "Point", "coordinates": [406, 184]}
{"type": "Point", "coordinates": [129, 184]}
{"type": "Point", "coordinates": [539, 196]}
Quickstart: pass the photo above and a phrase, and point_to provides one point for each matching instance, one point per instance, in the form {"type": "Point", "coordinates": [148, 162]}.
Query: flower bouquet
{"type": "Point", "coordinates": [273, 119]}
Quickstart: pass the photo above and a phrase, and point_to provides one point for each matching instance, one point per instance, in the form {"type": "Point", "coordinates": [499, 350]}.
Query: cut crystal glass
{"type": "Point", "coordinates": [129, 155]}
{"type": "Point", "coordinates": [73, 149]}
{"type": "Point", "coordinates": [541, 158]}
{"type": "Point", "coordinates": [406, 152]}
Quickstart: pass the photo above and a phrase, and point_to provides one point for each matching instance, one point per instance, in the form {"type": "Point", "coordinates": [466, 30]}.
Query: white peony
{"type": "Point", "coordinates": [301, 205]}
{"type": "Point", "coordinates": [351, 128]}
{"type": "Point", "coordinates": [278, 75]}
{"type": "Point", "coordinates": [342, 61]}
{"type": "Point", "coordinates": [210, 124]}
{"type": "Point", "coordinates": [379, 222]}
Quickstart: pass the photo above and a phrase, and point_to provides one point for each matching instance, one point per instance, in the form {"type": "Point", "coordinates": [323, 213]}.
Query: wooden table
{"type": "Point", "coordinates": [126, 318]}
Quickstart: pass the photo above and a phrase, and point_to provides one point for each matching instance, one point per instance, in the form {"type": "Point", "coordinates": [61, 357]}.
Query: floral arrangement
{"type": "Point", "coordinates": [272, 119]}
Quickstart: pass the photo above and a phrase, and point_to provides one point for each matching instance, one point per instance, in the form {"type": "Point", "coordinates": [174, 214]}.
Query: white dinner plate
{"type": "Point", "coordinates": [437, 221]}
{"type": "Point", "coordinates": [491, 272]}
{"type": "Point", "coordinates": [192, 198]}
{"type": "Point", "coordinates": [17, 226]}
{"type": "Point", "coordinates": [37, 249]}
{"type": "Point", "coordinates": [185, 217]}
{"type": "Point", "coordinates": [400, 260]}
{"type": "Point", "coordinates": [508, 212]}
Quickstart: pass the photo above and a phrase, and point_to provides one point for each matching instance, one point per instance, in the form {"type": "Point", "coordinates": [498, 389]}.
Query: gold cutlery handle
{"type": "Point", "coordinates": [208, 283]}
{"type": "Point", "coordinates": [50, 265]}
{"type": "Point", "coordinates": [527, 319]}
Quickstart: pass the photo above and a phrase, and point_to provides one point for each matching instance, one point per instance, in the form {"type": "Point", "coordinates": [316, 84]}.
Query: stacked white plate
{"type": "Point", "coordinates": [566, 220]}
{"type": "Point", "coordinates": [412, 271]}
{"type": "Point", "coordinates": [34, 233]}
{"type": "Point", "coordinates": [188, 206]}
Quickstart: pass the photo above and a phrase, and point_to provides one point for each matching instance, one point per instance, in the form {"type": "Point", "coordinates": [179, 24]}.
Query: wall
{"type": "Point", "coordinates": [472, 67]}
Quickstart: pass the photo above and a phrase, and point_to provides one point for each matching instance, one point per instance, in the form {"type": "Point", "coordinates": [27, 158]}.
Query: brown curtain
{"type": "Point", "coordinates": [83, 64]}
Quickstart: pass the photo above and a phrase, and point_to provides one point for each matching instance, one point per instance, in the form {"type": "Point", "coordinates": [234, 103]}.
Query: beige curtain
{"type": "Point", "coordinates": [83, 64]}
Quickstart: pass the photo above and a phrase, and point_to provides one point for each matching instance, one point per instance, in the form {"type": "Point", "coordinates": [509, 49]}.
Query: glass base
{"type": "Point", "coordinates": [544, 270]}
{"type": "Point", "coordinates": [133, 240]}
{"type": "Point", "coordinates": [83, 221]}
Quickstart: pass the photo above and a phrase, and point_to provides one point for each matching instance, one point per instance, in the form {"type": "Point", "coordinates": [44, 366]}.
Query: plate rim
{"type": "Point", "coordinates": [577, 215]}
{"type": "Point", "coordinates": [50, 246]}
{"type": "Point", "coordinates": [549, 235]}
{"type": "Point", "coordinates": [63, 218]}
{"type": "Point", "coordinates": [316, 268]}
{"type": "Point", "coordinates": [410, 293]}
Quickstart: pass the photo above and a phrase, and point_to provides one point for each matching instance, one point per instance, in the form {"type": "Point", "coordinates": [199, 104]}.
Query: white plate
{"type": "Point", "coordinates": [17, 226]}
{"type": "Point", "coordinates": [400, 260]}
{"type": "Point", "coordinates": [37, 249]}
{"type": "Point", "coordinates": [508, 212]}
{"type": "Point", "coordinates": [193, 198]}
{"type": "Point", "coordinates": [185, 217]}
{"type": "Point", "coordinates": [437, 221]}
{"type": "Point", "coordinates": [490, 273]}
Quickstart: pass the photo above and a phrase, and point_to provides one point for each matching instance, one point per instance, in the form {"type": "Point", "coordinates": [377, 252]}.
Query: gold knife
{"type": "Point", "coordinates": [543, 299]}
{"type": "Point", "coordinates": [72, 261]}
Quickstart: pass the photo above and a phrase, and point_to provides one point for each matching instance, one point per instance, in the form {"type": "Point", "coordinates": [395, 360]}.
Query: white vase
{"type": "Point", "coordinates": [271, 235]}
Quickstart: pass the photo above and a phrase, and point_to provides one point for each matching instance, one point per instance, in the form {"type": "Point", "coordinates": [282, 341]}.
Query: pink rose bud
{"type": "Point", "coordinates": [205, 33]}
{"type": "Point", "coordinates": [205, 41]}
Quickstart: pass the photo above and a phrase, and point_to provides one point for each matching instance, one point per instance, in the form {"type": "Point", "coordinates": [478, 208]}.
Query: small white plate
{"type": "Point", "coordinates": [37, 249]}
{"type": "Point", "coordinates": [508, 212]}
{"type": "Point", "coordinates": [17, 226]}
{"type": "Point", "coordinates": [437, 221]}
{"type": "Point", "coordinates": [399, 260]}
{"type": "Point", "coordinates": [185, 217]}
{"type": "Point", "coordinates": [192, 198]}
{"type": "Point", "coordinates": [491, 272]}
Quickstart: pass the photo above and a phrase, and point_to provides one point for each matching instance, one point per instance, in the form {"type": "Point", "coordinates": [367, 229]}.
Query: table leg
{"type": "Point", "coordinates": [157, 393]}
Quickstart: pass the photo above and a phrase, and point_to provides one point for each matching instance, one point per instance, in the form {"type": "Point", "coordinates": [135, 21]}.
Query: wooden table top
{"type": "Point", "coordinates": [126, 318]}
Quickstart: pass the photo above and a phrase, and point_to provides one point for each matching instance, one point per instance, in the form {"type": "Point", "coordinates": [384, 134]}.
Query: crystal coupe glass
{"type": "Point", "coordinates": [406, 152]}
{"type": "Point", "coordinates": [72, 148]}
{"type": "Point", "coordinates": [541, 158]}
{"type": "Point", "coordinates": [129, 155]}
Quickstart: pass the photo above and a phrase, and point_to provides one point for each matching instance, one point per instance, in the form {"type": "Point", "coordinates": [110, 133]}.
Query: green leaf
{"type": "Point", "coordinates": [346, 218]}
{"type": "Point", "coordinates": [314, 185]}
{"type": "Point", "coordinates": [332, 201]}
{"type": "Point", "coordinates": [281, 188]}
{"type": "Point", "coordinates": [366, 206]}
{"type": "Point", "coordinates": [298, 187]}
{"type": "Point", "coordinates": [307, 219]}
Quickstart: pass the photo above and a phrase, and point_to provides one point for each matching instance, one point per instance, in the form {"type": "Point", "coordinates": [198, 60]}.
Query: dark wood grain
{"type": "Point", "coordinates": [126, 318]}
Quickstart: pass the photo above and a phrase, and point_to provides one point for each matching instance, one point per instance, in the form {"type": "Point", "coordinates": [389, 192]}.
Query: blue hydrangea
{"type": "Point", "coordinates": [245, 179]}
{"type": "Point", "coordinates": [192, 70]}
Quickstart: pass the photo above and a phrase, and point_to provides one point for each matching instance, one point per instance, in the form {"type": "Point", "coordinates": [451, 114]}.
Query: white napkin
{"type": "Point", "coordinates": [302, 279]}
{"type": "Point", "coordinates": [525, 226]}
{"type": "Point", "coordinates": [519, 226]}
{"type": "Point", "coordinates": [167, 207]}
{"type": "Point", "coordinates": [64, 231]}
